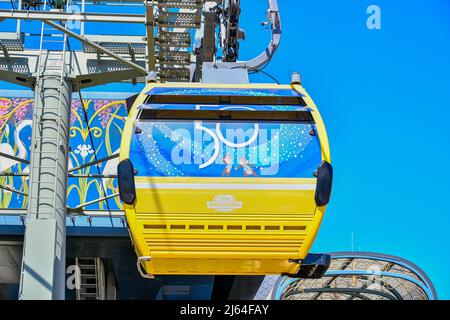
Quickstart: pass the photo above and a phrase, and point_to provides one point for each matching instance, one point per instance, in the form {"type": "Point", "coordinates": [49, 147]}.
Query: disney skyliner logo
{"type": "Point", "coordinates": [373, 22]}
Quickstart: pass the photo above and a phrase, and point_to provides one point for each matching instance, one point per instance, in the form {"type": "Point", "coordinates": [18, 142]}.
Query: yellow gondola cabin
{"type": "Point", "coordinates": [224, 179]}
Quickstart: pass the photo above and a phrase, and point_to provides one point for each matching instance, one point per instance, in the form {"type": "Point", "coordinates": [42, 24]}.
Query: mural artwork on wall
{"type": "Point", "coordinates": [106, 119]}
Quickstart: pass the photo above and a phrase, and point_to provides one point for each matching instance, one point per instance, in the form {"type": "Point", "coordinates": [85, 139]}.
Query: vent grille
{"type": "Point", "coordinates": [244, 236]}
{"type": "Point", "coordinates": [231, 227]}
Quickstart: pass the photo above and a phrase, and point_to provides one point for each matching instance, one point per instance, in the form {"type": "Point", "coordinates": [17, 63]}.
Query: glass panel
{"type": "Point", "coordinates": [227, 149]}
{"type": "Point", "coordinates": [225, 91]}
{"type": "Point", "coordinates": [172, 106]}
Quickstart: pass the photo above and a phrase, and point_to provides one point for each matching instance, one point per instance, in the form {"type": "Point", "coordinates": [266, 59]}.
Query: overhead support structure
{"type": "Point", "coordinates": [10, 189]}
{"type": "Point", "coordinates": [68, 16]}
{"type": "Point", "coordinates": [97, 47]}
{"type": "Point", "coordinates": [14, 158]}
{"type": "Point", "coordinates": [230, 34]}
{"type": "Point", "coordinates": [44, 257]}
{"type": "Point", "coordinates": [174, 22]}
{"type": "Point", "coordinates": [205, 38]}
{"type": "Point", "coordinates": [80, 80]}
{"type": "Point", "coordinates": [150, 29]}
{"type": "Point", "coordinates": [229, 69]}
{"type": "Point", "coordinates": [164, 48]}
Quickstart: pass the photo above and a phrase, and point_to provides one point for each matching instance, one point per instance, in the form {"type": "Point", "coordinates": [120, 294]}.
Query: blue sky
{"type": "Point", "coordinates": [385, 98]}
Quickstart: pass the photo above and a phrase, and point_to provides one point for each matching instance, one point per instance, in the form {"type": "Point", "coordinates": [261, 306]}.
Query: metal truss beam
{"type": "Point", "coordinates": [95, 213]}
{"type": "Point", "coordinates": [121, 44]}
{"type": "Point", "coordinates": [17, 78]}
{"type": "Point", "coordinates": [13, 174]}
{"type": "Point", "coordinates": [149, 26]}
{"type": "Point", "coordinates": [96, 46]}
{"type": "Point", "coordinates": [92, 176]}
{"type": "Point", "coordinates": [8, 156]}
{"type": "Point", "coordinates": [113, 156]}
{"type": "Point", "coordinates": [67, 16]}
{"type": "Point", "coordinates": [87, 70]}
{"type": "Point", "coordinates": [10, 189]}
{"type": "Point", "coordinates": [274, 20]}
{"type": "Point", "coordinates": [13, 212]}
{"type": "Point", "coordinates": [81, 206]}
{"type": "Point", "coordinates": [98, 2]}
{"type": "Point", "coordinates": [106, 2]}
{"type": "Point", "coordinates": [96, 79]}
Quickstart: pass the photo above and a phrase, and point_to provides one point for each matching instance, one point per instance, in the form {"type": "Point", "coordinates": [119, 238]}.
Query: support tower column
{"type": "Point", "coordinates": [44, 253]}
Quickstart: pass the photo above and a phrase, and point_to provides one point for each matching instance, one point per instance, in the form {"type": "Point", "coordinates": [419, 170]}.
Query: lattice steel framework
{"type": "Point", "coordinates": [360, 276]}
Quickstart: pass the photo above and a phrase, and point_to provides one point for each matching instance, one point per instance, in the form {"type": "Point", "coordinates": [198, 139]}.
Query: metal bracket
{"type": "Point", "coordinates": [8, 156]}
{"type": "Point", "coordinates": [11, 189]}
{"type": "Point", "coordinates": [298, 261]}
{"type": "Point", "coordinates": [92, 163]}
{"type": "Point", "coordinates": [81, 206]}
{"type": "Point", "coordinates": [274, 21]}
{"type": "Point", "coordinates": [139, 267]}
{"type": "Point", "coordinates": [5, 52]}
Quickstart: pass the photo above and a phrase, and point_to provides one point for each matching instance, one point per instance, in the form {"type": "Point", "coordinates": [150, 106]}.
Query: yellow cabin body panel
{"type": "Point", "coordinates": [222, 225]}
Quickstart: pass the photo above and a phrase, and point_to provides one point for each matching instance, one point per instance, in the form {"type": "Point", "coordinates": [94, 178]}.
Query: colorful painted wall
{"type": "Point", "coordinates": [106, 118]}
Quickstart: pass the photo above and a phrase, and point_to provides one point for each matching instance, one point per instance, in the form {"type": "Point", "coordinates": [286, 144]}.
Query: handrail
{"type": "Point", "coordinates": [139, 267]}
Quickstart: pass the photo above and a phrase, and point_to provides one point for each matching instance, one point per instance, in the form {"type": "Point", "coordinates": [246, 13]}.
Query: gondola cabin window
{"type": "Point", "coordinates": [225, 141]}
